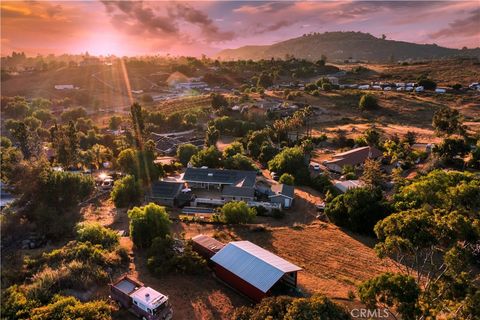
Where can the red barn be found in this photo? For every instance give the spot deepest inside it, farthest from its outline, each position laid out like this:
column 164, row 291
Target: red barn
column 253, row 270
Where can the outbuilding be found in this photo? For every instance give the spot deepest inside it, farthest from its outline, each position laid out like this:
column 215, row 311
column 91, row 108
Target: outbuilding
column 252, row 270
column 206, row 246
column 283, row 194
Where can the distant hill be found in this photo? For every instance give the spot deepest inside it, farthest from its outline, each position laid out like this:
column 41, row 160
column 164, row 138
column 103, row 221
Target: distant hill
column 344, row 45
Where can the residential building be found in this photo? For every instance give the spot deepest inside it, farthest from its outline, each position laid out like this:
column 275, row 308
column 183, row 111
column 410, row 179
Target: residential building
column 218, row 178
column 344, row 186
column 352, row 157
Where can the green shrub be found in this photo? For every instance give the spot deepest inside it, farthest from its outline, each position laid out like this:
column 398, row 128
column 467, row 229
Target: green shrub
column 287, row 178
column 126, row 192
column 289, row 308
column 97, row 234
column 368, row 102
column 164, row 258
column 62, row 307
column 321, row 183
column 147, row 223
column 237, row 212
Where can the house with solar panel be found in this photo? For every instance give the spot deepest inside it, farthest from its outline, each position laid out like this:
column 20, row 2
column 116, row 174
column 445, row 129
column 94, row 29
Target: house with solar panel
column 248, row 268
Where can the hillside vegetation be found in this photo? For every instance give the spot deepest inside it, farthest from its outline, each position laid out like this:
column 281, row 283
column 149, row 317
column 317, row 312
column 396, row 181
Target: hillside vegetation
column 344, row 45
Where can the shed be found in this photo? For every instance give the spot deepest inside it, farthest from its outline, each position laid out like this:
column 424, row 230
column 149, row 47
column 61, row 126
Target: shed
column 283, row 194
column 206, row 246
column 253, row 270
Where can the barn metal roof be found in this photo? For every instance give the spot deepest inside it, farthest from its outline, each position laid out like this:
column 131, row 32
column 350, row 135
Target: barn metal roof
column 255, row 265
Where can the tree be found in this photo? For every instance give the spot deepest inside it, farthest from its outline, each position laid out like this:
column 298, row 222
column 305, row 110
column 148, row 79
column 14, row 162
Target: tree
column 139, row 164
column 287, row 178
column 21, row 136
column 428, row 84
column 209, row 157
column 211, row 136
column 17, row 109
column 147, row 223
column 292, row 161
column 185, row 152
column 372, row 176
column 190, row 119
column 391, row 290
column 138, row 124
column 115, row 122
column 440, row 189
column 255, row 141
column 358, row 209
column 72, row 144
column 265, row 80
column 218, row 101
column 447, row 121
column 233, row 149
column 43, row 115
column 95, row 233
column 267, row 152
column 239, row 162
column 368, row 102
column 126, row 192
column 73, row 114
column 237, row 212
column 372, row 137
column 451, row 150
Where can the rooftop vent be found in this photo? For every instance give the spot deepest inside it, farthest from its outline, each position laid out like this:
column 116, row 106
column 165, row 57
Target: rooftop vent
column 147, row 296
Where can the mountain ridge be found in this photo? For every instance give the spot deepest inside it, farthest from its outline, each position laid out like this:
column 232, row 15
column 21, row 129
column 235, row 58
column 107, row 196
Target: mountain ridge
column 339, row 45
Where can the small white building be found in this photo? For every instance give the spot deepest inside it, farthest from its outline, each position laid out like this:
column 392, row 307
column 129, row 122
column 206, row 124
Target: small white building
column 64, row 87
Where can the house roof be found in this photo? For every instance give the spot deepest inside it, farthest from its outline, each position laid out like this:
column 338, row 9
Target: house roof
column 355, row 156
column 165, row 189
column 208, row 242
column 344, row 186
column 257, row 266
column 246, row 178
column 283, row 189
column 238, row 191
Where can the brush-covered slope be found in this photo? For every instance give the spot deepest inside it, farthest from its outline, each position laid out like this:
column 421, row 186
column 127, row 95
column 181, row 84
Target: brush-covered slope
column 344, row 45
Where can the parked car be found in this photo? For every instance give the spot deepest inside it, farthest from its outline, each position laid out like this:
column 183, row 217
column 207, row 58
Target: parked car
column 107, row 184
column 275, row 176
column 144, row 302
column 320, row 206
column 316, row 166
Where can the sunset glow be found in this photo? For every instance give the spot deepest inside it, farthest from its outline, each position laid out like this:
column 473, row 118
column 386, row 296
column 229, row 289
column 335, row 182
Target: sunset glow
column 193, row 28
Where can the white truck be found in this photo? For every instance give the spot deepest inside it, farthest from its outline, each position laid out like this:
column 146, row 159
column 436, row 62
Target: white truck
column 144, row 302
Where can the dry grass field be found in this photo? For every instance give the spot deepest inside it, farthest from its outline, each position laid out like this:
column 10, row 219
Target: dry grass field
column 334, row 261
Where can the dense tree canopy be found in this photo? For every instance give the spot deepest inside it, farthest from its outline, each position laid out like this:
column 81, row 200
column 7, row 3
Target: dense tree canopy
column 185, row 152
column 126, row 192
column 292, row 161
column 358, row 209
column 147, row 223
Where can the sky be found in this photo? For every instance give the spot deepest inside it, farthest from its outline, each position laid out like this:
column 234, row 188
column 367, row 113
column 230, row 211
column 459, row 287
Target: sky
column 205, row 27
